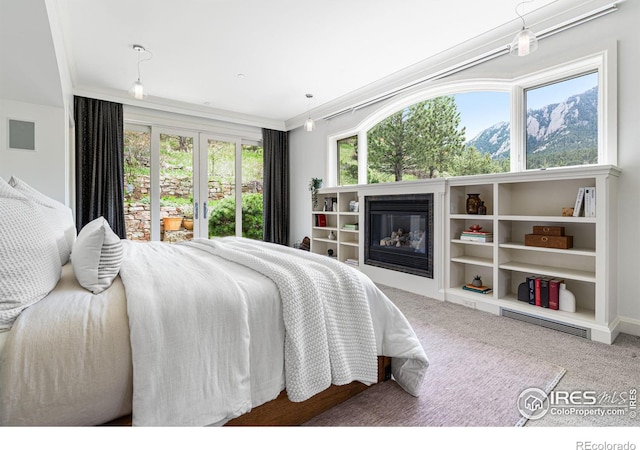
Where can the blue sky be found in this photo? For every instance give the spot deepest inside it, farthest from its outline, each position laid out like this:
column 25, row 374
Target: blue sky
column 480, row 110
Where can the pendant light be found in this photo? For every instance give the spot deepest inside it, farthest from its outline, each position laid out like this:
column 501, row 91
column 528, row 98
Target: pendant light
column 309, row 124
column 137, row 90
column 525, row 41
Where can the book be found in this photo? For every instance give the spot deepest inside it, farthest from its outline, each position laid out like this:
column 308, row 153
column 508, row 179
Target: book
column 589, row 201
column 554, row 293
column 322, row 220
column 476, row 238
column 531, row 283
column 538, row 293
column 577, row 209
column 350, row 226
column 477, row 289
column 544, row 292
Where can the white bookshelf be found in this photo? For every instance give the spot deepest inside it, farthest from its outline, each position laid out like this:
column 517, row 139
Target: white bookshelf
column 347, row 242
column 515, row 203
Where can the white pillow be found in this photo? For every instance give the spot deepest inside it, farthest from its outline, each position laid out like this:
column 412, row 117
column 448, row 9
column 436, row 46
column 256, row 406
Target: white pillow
column 29, row 263
column 59, row 216
column 97, row 256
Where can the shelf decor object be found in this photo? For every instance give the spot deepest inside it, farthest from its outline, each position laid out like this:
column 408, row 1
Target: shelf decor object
column 473, row 201
column 567, row 299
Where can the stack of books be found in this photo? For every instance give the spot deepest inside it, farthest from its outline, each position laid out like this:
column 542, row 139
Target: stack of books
column 350, row 226
column 352, row 262
column 478, row 289
column 476, row 236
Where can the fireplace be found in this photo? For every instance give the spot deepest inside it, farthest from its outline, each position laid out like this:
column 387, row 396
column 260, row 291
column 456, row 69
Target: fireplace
column 399, row 233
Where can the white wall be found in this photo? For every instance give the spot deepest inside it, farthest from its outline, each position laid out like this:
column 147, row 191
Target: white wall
column 45, row 168
column 308, row 157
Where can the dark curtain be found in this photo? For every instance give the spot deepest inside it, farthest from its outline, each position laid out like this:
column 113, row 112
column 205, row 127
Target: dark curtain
column 276, row 186
column 99, row 163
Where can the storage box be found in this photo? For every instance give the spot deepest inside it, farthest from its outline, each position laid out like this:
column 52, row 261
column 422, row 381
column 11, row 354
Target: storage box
column 548, row 231
column 540, row 240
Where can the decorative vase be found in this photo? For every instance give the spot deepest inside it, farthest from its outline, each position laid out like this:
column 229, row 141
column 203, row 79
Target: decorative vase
column 482, row 210
column 473, row 200
column 477, row 281
column 187, row 223
column 332, row 235
column 567, row 300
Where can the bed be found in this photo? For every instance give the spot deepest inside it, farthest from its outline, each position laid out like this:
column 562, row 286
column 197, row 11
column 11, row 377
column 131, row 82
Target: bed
column 202, row 333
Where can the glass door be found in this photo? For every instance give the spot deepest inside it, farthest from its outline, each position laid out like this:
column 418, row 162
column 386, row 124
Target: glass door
column 218, row 192
column 175, row 186
column 233, row 170
column 180, row 185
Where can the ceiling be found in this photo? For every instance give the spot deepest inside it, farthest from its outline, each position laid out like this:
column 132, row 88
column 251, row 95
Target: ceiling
column 258, row 58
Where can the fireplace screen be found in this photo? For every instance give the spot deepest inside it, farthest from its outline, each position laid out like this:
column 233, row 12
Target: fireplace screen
column 399, row 233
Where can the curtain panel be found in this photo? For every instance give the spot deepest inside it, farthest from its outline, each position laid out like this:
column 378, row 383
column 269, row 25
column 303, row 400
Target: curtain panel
column 275, row 145
column 99, row 134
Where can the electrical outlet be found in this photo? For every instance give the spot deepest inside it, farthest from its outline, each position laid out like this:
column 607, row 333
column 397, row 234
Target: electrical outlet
column 469, row 304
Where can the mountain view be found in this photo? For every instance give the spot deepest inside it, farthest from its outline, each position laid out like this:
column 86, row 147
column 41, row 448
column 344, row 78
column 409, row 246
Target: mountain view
column 559, row 134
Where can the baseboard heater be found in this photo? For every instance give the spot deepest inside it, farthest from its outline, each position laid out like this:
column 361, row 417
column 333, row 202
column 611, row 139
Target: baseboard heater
column 547, row 323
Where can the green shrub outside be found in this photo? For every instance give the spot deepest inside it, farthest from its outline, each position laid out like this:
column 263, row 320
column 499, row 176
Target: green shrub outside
column 223, row 217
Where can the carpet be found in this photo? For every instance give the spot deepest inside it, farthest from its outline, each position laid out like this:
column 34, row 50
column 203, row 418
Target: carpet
column 469, row 383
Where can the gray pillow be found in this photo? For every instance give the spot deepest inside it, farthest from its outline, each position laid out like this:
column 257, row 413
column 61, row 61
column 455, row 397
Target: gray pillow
column 58, row 215
column 97, row 256
column 29, row 262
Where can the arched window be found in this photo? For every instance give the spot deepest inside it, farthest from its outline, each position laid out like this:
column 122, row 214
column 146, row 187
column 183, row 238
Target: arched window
column 564, row 116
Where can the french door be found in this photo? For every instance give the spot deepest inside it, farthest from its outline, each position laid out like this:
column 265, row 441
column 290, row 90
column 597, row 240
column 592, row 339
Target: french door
column 173, row 174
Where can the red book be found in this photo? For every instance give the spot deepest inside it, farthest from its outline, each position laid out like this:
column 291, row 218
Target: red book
column 538, row 293
column 322, row 220
column 554, row 293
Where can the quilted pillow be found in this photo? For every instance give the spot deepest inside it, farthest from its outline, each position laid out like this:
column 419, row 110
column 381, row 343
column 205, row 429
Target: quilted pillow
column 97, row 256
column 58, row 215
column 29, row 263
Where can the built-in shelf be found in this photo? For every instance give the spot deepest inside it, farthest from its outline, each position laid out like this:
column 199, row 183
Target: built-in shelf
column 515, row 203
column 347, row 242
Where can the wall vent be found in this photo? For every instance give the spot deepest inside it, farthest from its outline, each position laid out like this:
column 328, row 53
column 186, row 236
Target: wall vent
column 552, row 324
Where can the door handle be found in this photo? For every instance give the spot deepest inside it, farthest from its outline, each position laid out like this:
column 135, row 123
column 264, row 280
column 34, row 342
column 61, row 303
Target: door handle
column 195, row 211
column 204, row 210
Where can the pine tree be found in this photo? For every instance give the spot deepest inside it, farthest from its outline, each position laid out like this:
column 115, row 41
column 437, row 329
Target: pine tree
column 418, row 140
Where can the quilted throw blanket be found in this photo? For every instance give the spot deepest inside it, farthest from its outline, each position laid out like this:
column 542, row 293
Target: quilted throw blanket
column 329, row 332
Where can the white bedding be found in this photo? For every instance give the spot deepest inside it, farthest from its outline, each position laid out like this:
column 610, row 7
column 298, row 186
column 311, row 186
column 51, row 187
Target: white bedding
column 76, row 347
column 3, row 337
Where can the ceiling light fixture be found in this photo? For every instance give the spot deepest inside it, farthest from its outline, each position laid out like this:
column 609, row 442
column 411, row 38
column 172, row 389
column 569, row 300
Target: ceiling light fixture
column 137, row 90
column 309, row 124
column 525, row 41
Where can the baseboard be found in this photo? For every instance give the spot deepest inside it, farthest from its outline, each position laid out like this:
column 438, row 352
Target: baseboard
column 629, row 325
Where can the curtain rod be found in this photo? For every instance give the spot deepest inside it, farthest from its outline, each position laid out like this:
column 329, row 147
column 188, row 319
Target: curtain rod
column 477, row 60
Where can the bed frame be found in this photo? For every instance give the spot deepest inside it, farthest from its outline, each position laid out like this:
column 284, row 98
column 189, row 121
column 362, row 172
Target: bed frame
column 283, row 412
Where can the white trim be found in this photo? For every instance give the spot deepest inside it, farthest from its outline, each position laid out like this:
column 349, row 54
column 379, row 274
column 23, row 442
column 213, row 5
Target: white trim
column 629, row 325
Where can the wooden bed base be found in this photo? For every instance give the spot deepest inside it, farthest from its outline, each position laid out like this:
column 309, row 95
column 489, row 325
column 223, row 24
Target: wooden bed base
column 283, row 412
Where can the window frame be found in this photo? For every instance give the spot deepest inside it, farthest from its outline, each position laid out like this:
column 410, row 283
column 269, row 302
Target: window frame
column 603, row 62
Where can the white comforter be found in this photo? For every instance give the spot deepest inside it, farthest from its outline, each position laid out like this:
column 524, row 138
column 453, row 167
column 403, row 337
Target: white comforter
column 187, row 367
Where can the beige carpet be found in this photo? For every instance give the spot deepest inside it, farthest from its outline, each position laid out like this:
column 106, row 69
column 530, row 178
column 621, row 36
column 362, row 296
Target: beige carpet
column 468, row 383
